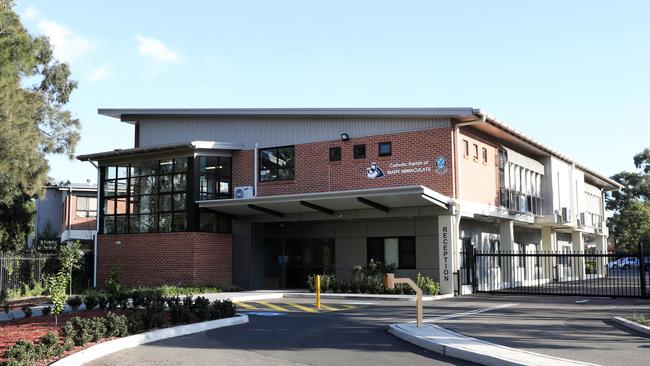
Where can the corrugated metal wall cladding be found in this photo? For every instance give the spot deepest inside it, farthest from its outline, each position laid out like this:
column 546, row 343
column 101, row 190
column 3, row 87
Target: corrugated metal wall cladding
column 275, row 131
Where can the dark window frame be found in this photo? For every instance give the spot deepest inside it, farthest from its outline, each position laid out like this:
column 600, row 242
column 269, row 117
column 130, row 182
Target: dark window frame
column 359, row 151
column 336, row 153
column 401, row 249
column 390, row 148
column 291, row 167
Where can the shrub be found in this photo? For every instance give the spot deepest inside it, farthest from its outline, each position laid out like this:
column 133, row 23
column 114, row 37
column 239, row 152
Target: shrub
column 179, row 312
column 102, row 300
column 78, row 330
column 23, row 353
column 96, row 327
column 201, row 308
column 327, row 283
column 27, row 311
column 47, row 310
column 113, row 284
column 222, row 309
column 116, row 325
column 153, row 315
column 91, row 300
column 50, row 346
column 427, row 284
column 74, row 302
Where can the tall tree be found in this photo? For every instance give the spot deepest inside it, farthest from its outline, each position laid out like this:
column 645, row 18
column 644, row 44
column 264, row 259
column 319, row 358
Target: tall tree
column 630, row 222
column 34, row 88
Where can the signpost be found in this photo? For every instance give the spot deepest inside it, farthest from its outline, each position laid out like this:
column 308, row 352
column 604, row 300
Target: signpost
column 390, row 281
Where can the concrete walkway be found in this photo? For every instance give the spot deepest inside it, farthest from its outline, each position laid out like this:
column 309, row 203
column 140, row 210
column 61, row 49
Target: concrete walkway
column 445, row 342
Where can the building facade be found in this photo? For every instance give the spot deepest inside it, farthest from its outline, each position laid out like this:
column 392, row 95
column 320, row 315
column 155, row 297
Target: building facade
column 261, row 198
column 66, row 213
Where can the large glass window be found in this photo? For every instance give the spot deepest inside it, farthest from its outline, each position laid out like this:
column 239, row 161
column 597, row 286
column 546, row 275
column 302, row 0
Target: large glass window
column 145, row 196
column 214, row 177
column 277, row 163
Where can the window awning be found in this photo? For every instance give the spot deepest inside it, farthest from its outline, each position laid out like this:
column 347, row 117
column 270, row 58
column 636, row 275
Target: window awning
column 330, row 203
column 138, row 151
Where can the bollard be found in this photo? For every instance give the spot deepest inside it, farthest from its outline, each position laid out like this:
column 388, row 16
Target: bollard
column 317, row 291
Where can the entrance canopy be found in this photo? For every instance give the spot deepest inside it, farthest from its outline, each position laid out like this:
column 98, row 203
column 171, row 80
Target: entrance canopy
column 330, row 203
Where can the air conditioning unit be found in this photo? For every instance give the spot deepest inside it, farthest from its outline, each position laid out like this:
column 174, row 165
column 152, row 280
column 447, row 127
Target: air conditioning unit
column 566, row 215
column 582, row 221
column 244, row 192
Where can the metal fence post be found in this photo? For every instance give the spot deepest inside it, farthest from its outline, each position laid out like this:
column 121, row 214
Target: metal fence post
column 644, row 288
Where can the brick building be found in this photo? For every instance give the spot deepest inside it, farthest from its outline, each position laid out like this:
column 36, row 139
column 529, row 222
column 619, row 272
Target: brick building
column 261, row 198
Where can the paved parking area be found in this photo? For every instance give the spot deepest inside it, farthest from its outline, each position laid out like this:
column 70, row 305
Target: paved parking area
column 569, row 327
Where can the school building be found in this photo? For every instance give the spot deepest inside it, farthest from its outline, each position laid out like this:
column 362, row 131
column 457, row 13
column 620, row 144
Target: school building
column 261, row 198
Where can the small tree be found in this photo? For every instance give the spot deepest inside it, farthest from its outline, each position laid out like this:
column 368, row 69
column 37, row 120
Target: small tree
column 57, row 284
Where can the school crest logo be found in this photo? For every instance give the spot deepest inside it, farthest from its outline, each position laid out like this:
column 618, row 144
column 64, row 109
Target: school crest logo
column 441, row 164
column 374, row 171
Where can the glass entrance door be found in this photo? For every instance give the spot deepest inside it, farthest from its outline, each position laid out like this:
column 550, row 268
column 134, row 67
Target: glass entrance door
column 288, row 262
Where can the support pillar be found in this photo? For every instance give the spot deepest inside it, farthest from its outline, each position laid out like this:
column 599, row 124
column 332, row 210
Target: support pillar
column 447, row 247
column 578, row 246
column 548, row 239
column 601, row 248
column 509, row 268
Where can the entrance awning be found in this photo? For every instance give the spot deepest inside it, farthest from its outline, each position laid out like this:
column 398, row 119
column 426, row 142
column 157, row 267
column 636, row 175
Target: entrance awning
column 330, row 203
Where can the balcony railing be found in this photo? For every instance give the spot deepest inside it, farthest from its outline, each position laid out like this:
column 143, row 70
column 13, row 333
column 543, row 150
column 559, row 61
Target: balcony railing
column 520, row 202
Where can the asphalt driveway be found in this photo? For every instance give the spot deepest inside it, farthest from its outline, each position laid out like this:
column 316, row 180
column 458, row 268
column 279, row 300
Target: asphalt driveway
column 568, row 327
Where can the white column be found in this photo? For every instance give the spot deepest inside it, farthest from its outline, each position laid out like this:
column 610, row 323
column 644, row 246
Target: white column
column 548, row 239
column 507, row 244
column 447, row 246
column 578, row 246
column 601, row 248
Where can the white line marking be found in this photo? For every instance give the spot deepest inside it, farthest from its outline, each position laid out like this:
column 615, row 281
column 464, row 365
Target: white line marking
column 581, row 301
column 472, row 312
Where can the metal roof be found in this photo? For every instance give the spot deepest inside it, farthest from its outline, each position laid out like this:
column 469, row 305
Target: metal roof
column 131, row 114
column 194, row 145
column 459, row 114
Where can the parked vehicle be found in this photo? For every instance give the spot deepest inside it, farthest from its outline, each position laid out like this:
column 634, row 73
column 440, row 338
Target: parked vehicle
column 626, row 263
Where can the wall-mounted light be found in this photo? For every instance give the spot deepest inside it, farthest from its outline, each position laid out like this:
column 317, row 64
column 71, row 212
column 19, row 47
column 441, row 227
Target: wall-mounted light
column 345, row 137
column 118, row 242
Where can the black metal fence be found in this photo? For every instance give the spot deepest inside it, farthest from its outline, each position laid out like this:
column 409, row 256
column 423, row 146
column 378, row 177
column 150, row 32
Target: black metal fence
column 556, row 273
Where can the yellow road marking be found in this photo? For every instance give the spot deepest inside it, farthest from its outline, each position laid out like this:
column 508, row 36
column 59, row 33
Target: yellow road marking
column 272, row 306
column 350, row 306
column 246, row 306
column 327, row 307
column 303, row 308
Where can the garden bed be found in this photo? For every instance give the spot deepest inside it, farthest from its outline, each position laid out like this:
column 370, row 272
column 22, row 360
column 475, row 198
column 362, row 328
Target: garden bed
column 26, row 341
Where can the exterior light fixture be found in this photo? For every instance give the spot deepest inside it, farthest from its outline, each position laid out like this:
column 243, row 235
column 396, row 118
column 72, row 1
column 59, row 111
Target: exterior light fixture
column 345, row 137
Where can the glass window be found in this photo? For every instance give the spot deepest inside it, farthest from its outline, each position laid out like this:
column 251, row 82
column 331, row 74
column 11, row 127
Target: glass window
column 360, row 151
column 407, row 253
column 276, row 163
column 399, row 251
column 485, row 155
column 466, row 148
column 214, row 177
column 335, row 153
column 145, row 196
column 385, row 149
column 86, row 206
column 475, row 155
column 376, row 249
column 211, row 221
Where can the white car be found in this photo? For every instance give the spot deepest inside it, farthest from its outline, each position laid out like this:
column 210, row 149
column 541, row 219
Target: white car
column 624, row 263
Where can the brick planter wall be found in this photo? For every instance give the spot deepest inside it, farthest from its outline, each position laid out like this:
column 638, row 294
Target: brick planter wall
column 189, row 258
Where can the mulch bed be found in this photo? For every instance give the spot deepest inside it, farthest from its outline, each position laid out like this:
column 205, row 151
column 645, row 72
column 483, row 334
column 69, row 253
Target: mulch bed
column 31, row 329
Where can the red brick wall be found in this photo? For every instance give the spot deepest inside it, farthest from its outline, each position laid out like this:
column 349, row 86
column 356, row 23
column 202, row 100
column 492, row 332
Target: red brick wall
column 153, row 259
column 479, row 180
column 77, row 223
column 315, row 173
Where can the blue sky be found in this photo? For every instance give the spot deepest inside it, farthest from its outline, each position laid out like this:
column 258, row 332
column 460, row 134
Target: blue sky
column 572, row 74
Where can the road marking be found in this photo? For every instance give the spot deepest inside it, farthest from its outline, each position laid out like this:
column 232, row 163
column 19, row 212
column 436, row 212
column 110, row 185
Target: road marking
column 327, row 307
column 466, row 313
column 246, row 306
column 303, row 308
column 581, row 301
column 272, row 306
column 350, row 306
